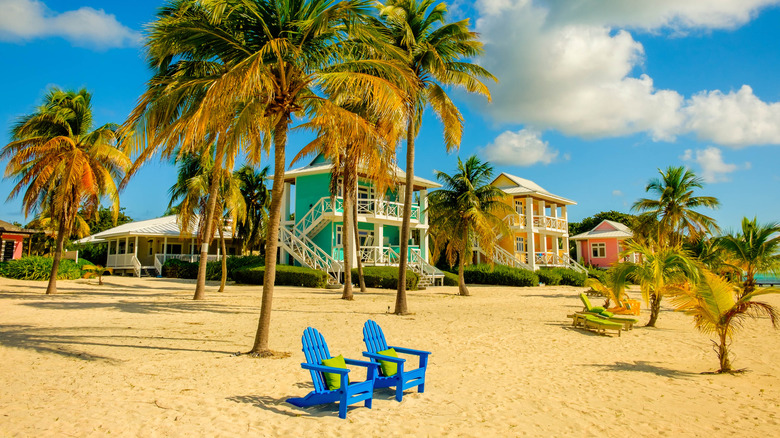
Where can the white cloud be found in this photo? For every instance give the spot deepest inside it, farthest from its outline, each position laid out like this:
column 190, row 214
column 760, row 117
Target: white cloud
column 29, row 19
column 713, row 168
column 733, row 119
column 617, row 193
column 521, row 148
column 564, row 65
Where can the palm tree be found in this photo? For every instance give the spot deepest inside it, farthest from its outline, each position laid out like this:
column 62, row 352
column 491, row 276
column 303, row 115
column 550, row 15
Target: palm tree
column 62, row 164
column 663, row 270
column 674, row 207
column 191, row 187
column 252, row 229
column 717, row 306
column 437, row 52
column 466, row 210
column 238, row 71
column 755, row 250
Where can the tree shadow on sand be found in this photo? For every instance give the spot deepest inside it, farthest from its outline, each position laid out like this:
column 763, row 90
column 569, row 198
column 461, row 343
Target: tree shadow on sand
column 51, row 341
column 644, row 367
column 143, row 306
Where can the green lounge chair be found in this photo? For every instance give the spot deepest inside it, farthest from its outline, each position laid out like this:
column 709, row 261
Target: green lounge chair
column 589, row 321
column 598, row 311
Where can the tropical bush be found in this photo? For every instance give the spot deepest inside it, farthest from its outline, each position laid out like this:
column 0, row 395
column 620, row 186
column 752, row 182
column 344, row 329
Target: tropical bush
column 175, row 268
column 39, row 268
column 499, row 275
column 550, row 277
column 286, row 275
column 570, row 277
column 597, row 273
column 387, row 277
column 450, row 279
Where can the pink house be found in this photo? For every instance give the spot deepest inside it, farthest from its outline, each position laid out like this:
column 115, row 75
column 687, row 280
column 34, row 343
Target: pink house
column 11, row 238
column 602, row 245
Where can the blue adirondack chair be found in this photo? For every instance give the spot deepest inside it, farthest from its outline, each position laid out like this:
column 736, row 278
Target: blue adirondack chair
column 315, row 349
column 403, row 379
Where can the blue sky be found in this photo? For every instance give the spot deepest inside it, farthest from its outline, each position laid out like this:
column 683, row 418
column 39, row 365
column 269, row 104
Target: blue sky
column 593, row 95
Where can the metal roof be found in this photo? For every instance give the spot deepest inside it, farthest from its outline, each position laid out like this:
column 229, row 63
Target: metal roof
column 617, row 230
column 524, row 186
column 166, row 226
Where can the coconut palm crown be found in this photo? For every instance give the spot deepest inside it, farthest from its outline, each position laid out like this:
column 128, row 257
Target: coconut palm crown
column 754, row 250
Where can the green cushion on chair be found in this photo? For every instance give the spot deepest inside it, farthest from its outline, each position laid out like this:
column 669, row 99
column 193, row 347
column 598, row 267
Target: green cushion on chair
column 333, row 380
column 597, row 309
column 388, row 368
column 607, row 314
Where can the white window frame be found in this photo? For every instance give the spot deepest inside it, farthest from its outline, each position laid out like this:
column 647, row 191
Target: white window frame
column 338, row 234
column 520, row 240
column 519, row 207
column 598, row 250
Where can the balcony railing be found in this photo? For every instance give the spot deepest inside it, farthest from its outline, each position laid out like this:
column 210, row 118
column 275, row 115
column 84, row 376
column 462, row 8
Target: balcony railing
column 540, row 222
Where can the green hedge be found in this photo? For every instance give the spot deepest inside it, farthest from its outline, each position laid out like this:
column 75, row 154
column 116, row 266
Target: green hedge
column 549, row 277
column 564, row 276
column 450, row 279
column 386, row 277
column 597, row 273
column 286, row 275
column 39, row 268
column 499, row 275
column 174, row 268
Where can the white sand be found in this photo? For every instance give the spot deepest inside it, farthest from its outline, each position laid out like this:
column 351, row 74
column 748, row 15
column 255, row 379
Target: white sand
column 138, row 357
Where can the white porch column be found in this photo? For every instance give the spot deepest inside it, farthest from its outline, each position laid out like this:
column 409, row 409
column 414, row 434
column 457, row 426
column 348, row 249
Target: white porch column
column 530, row 247
column 566, row 245
column 165, row 245
column 135, row 247
column 424, row 205
column 542, row 214
column 543, row 242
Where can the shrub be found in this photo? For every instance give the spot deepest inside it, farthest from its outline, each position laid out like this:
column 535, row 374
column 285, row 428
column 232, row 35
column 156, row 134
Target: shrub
column 175, row 268
column 597, row 273
column 39, row 268
column 386, row 277
column 499, row 275
column 286, row 275
column 570, row 277
column 450, row 279
column 549, row 276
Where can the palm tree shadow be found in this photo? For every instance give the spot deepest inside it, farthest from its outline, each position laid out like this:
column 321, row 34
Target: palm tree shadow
column 645, row 367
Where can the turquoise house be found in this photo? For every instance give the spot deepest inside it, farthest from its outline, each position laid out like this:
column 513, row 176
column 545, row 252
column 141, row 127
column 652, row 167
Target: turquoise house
column 311, row 227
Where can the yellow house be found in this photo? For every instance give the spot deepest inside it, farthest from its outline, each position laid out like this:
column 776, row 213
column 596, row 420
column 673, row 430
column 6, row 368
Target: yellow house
column 539, row 226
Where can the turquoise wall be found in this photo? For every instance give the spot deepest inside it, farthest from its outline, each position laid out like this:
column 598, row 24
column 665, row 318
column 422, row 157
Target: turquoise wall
column 308, row 190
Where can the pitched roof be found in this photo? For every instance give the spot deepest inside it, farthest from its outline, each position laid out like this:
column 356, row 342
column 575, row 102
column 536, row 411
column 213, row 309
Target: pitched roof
column 166, row 226
column 11, row 228
column 612, row 229
column 521, row 186
column 320, row 165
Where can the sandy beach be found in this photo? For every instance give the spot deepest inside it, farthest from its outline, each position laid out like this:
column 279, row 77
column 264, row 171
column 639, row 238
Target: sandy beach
column 138, row 357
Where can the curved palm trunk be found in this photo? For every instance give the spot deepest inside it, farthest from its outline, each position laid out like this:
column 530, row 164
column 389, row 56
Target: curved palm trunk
column 52, row 287
column 400, row 299
column 749, row 286
column 462, row 289
column 223, row 280
column 260, row 347
column 655, row 309
column 723, row 352
column 361, row 279
column 211, row 206
column 346, row 236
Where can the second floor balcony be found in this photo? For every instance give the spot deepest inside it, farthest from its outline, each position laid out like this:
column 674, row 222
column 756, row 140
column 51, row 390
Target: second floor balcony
column 539, row 222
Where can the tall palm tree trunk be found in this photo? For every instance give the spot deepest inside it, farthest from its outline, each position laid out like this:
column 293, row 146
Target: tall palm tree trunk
column 655, row 308
column 211, row 207
column 361, row 279
column 462, row 289
column 260, row 347
column 52, row 287
column 346, row 235
column 400, row 299
column 223, row 280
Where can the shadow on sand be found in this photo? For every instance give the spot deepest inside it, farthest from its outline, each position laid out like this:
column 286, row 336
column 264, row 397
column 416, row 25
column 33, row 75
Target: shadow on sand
column 644, row 367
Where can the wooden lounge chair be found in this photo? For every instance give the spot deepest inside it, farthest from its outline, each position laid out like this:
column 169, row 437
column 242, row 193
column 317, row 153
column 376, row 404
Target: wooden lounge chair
column 627, row 307
column 403, row 378
column 315, row 349
column 589, row 321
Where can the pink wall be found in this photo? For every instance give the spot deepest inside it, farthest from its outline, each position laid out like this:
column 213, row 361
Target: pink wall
column 611, row 252
column 18, row 245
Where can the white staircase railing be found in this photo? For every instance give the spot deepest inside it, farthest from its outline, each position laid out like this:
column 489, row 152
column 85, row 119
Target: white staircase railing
column 378, row 255
column 573, row 264
column 310, row 254
column 136, row 266
column 427, row 272
column 506, row 258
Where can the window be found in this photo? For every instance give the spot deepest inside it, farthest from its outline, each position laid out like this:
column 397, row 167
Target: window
column 519, row 207
column 338, row 235
column 121, row 247
column 151, row 246
column 598, row 250
column 366, row 237
column 520, row 245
